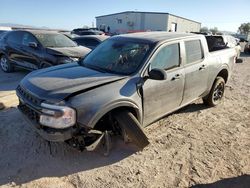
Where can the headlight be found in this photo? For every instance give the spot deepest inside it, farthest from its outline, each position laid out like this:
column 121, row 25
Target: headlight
column 58, row 117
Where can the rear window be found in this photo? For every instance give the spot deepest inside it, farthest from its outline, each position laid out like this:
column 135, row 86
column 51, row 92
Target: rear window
column 193, row 51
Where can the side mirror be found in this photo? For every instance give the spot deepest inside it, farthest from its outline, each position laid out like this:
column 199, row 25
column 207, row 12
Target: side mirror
column 33, row 44
column 157, row 74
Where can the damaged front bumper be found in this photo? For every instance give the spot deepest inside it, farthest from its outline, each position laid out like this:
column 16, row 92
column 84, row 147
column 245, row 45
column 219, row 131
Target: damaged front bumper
column 79, row 138
column 54, row 135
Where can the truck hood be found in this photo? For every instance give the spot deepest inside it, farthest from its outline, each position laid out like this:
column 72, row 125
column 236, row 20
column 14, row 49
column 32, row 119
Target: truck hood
column 77, row 52
column 54, row 84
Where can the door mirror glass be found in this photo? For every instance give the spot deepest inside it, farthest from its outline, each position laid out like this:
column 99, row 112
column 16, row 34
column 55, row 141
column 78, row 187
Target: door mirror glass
column 32, row 44
column 157, row 74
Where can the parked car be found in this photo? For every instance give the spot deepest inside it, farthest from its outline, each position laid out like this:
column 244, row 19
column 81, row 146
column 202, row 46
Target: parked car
column 90, row 41
column 82, row 31
column 126, row 83
column 37, row 49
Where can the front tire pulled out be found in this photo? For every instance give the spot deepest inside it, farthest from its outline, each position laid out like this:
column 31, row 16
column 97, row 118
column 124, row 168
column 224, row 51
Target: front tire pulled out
column 130, row 124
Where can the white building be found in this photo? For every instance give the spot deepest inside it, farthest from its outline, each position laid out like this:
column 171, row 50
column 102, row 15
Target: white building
column 133, row 21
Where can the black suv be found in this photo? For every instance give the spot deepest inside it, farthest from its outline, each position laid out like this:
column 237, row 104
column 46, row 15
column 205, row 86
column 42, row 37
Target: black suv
column 35, row 49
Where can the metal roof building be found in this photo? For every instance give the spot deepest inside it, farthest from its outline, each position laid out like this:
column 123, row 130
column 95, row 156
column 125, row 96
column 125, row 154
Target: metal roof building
column 134, row 21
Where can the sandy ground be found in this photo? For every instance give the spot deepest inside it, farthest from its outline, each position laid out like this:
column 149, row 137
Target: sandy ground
column 194, row 147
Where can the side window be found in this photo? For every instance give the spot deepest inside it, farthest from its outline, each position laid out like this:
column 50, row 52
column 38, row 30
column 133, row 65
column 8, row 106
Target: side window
column 193, row 51
column 27, row 38
column 168, row 57
column 15, row 38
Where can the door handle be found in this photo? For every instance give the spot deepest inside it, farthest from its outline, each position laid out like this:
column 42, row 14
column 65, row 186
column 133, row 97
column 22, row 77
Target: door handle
column 176, row 77
column 202, row 67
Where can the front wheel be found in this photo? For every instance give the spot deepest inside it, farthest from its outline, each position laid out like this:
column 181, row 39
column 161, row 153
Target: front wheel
column 131, row 126
column 216, row 93
column 5, row 64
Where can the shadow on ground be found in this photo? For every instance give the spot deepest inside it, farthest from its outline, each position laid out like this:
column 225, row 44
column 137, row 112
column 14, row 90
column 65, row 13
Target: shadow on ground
column 25, row 156
column 235, row 182
column 193, row 107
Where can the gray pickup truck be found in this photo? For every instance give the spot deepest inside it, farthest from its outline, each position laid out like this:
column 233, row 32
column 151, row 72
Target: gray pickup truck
column 126, row 83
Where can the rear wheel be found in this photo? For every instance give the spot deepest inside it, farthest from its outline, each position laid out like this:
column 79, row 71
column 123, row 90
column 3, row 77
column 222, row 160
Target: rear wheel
column 216, row 93
column 131, row 126
column 5, row 64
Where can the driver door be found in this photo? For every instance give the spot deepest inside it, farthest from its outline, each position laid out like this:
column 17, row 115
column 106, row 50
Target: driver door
column 30, row 56
column 163, row 96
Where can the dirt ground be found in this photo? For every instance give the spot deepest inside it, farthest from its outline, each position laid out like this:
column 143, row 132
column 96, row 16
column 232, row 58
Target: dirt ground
column 194, row 147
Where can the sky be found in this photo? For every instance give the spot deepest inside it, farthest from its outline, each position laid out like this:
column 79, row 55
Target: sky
column 226, row 15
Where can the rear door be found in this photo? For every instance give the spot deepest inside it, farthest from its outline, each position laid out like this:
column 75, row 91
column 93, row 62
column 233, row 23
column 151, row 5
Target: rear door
column 196, row 70
column 14, row 44
column 162, row 96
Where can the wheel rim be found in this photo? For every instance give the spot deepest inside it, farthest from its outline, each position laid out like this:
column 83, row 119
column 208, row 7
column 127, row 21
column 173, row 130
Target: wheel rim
column 4, row 64
column 218, row 92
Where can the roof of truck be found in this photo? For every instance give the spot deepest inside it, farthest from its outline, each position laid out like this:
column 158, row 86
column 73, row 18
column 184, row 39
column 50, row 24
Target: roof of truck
column 155, row 36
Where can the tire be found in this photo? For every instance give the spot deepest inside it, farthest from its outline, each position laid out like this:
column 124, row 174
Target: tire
column 130, row 124
column 216, row 93
column 5, row 64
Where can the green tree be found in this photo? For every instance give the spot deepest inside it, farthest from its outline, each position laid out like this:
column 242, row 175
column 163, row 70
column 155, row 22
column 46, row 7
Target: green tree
column 244, row 28
column 214, row 30
column 204, row 29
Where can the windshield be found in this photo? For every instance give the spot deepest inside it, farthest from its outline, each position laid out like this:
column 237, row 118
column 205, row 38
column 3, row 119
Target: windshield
column 55, row 40
column 115, row 56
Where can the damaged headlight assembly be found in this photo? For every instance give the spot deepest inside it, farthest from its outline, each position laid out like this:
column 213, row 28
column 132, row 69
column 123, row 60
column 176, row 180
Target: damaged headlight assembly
column 59, row 117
